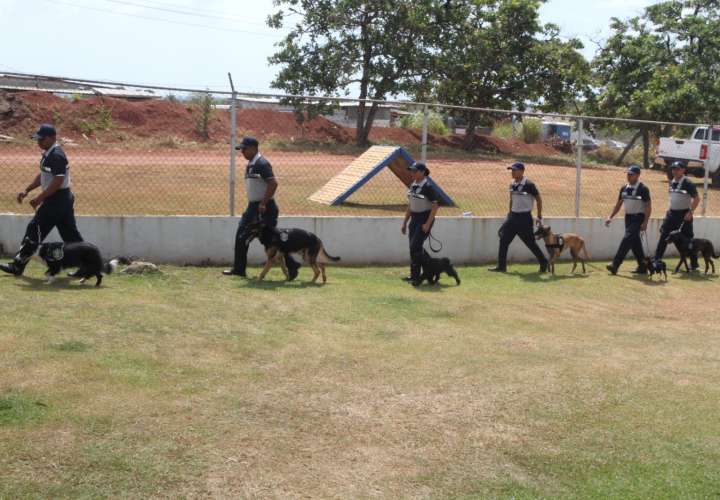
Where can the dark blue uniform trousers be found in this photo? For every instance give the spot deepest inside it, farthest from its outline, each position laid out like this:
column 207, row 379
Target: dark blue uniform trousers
column 58, row 211
column 518, row 224
column 243, row 237
column 631, row 241
column 674, row 219
column 417, row 238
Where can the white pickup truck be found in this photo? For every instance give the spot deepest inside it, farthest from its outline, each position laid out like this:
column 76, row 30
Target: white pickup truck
column 695, row 152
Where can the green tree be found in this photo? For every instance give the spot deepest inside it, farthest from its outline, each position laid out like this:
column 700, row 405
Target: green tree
column 661, row 66
column 497, row 54
column 378, row 47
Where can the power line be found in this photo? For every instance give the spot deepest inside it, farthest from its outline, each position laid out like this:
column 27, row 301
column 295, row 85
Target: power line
column 184, row 12
column 191, row 9
column 168, row 21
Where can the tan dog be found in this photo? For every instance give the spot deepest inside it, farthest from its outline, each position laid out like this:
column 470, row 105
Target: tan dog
column 556, row 243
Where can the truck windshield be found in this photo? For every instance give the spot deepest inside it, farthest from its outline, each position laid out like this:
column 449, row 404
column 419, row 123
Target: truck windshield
column 702, row 134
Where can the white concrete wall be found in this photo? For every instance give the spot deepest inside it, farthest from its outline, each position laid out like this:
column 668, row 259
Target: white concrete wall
column 357, row 240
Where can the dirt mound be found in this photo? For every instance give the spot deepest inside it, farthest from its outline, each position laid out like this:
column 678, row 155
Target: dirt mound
column 111, row 120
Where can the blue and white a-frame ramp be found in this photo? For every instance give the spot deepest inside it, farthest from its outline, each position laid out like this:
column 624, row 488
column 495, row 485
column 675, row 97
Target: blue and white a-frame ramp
column 364, row 168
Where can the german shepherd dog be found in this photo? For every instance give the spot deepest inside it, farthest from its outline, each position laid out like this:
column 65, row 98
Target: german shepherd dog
column 280, row 242
column 432, row 268
column 556, row 243
column 84, row 256
column 686, row 248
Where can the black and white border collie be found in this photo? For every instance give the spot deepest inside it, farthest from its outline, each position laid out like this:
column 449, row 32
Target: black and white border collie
column 84, row 256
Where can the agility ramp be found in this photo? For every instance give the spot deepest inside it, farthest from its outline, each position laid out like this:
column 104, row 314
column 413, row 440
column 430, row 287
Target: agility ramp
column 367, row 166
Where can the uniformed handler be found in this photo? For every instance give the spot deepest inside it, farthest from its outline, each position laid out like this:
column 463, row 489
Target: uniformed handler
column 261, row 185
column 54, row 206
column 423, row 204
column 635, row 197
column 684, row 199
column 519, row 222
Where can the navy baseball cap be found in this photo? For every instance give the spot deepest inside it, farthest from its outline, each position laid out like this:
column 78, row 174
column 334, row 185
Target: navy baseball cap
column 678, row 164
column 45, row 130
column 418, row 166
column 517, row 166
column 633, row 169
column 247, row 142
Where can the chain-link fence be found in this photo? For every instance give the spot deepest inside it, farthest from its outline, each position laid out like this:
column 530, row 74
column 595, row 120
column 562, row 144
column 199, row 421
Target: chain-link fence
column 169, row 152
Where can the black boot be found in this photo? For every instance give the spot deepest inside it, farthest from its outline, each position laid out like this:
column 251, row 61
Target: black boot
column 15, row 268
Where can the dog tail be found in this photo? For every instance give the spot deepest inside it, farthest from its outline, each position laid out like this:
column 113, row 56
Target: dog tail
column 586, row 254
column 326, row 256
column 111, row 266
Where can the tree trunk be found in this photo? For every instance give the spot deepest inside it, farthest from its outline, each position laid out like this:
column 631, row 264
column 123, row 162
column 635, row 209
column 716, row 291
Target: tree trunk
column 363, row 136
column 628, row 148
column 360, row 134
column 470, row 132
column 646, row 148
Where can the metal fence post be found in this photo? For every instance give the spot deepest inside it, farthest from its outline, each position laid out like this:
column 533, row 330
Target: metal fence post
column 233, row 151
column 578, row 165
column 426, row 118
column 706, row 181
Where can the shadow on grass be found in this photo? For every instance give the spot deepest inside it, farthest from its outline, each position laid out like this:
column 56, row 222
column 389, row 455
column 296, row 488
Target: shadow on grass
column 29, row 284
column 275, row 284
column 538, row 277
column 434, row 288
column 695, row 276
column 645, row 279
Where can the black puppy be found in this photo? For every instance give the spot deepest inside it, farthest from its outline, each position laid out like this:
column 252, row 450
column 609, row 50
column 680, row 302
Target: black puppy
column 687, row 248
column 84, row 256
column 432, row 268
column 655, row 267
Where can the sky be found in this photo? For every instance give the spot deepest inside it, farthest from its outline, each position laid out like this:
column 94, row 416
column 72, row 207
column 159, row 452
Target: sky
column 192, row 43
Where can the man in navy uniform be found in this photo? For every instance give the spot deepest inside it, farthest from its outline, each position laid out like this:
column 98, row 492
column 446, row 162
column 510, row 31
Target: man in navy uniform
column 519, row 222
column 423, row 204
column 684, row 199
column 261, row 185
column 54, row 206
column 635, row 197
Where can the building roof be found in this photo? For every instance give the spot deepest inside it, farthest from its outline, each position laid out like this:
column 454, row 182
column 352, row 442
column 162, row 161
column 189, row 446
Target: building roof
column 56, row 86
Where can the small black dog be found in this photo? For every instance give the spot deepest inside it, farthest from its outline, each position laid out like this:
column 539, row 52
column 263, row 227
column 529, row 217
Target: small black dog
column 655, row 267
column 686, row 248
column 432, row 268
column 84, row 256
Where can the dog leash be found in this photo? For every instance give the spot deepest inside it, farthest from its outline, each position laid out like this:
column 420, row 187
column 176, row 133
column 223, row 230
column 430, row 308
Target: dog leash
column 430, row 242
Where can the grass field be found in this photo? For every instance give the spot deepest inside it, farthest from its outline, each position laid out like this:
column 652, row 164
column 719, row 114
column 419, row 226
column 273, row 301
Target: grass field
column 195, row 182
column 518, row 385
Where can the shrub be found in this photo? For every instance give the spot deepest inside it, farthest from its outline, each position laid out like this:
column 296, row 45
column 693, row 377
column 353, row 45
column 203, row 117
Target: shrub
column 531, row 130
column 204, row 104
column 504, row 129
column 436, row 125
